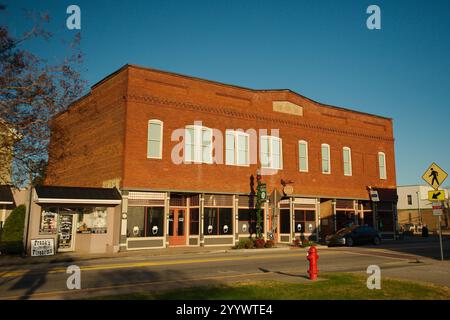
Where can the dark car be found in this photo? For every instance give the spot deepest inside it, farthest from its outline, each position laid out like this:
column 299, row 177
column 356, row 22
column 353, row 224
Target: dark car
column 354, row 235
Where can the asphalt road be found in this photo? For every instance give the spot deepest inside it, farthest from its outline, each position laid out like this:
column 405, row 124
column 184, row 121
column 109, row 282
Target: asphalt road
column 411, row 261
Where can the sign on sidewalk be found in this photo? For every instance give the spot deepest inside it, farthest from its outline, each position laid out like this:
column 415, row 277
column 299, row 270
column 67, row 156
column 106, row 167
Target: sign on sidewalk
column 42, row 247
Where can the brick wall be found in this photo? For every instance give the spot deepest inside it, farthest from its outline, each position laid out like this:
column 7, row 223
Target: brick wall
column 87, row 141
column 179, row 101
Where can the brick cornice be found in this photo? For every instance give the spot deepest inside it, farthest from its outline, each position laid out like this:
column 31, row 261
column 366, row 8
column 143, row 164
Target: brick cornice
column 229, row 112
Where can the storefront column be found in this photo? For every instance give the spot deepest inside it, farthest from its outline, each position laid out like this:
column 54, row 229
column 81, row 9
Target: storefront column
column 292, row 216
column 202, row 219
column 266, row 220
column 236, row 218
column 317, row 219
column 361, row 210
column 166, row 218
column 123, row 223
column 333, row 204
column 356, row 212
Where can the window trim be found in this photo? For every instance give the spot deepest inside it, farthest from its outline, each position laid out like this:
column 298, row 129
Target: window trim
column 161, row 124
column 384, row 176
column 271, row 139
column 236, row 134
column 349, row 160
column 305, row 143
column 329, row 157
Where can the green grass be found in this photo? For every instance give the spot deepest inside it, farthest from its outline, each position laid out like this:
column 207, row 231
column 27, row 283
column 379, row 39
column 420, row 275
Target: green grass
column 337, row 286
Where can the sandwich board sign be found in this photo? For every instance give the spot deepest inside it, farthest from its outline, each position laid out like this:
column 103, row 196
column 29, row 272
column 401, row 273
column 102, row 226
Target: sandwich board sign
column 42, row 247
column 434, row 176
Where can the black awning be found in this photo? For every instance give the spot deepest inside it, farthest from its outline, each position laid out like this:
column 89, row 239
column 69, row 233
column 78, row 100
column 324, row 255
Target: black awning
column 81, row 195
column 6, row 196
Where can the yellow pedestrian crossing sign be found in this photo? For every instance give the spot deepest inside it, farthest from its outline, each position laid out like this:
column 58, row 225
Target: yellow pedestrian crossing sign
column 436, row 195
column 434, row 176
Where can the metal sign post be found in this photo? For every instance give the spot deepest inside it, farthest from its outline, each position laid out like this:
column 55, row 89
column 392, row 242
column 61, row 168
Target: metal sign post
column 440, row 239
column 437, row 211
column 435, row 176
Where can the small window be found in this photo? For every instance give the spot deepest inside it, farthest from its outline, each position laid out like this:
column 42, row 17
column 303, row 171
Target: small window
column 347, row 157
column 237, row 148
column 382, row 165
column 271, row 152
column 409, row 199
column 303, row 156
column 154, row 139
column 326, row 165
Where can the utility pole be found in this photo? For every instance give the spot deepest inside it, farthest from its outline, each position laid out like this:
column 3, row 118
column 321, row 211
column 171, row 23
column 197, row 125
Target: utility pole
column 28, row 210
column 418, row 207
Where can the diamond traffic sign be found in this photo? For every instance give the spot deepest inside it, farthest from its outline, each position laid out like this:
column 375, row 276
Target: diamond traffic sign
column 434, row 176
column 436, row 195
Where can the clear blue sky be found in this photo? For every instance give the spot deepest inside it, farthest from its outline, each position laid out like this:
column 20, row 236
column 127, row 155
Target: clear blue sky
column 320, row 49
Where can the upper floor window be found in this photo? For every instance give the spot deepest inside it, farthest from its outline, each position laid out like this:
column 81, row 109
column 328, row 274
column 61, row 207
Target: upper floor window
column 382, row 165
column 154, row 139
column 303, row 155
column 237, row 148
column 198, row 144
column 409, row 199
column 347, row 157
column 271, row 152
column 326, row 165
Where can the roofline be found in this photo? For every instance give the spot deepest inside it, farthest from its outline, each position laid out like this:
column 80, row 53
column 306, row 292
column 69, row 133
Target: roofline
column 126, row 66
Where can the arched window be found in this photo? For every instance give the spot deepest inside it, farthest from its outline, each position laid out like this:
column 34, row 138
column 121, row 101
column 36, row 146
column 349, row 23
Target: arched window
column 326, row 162
column 154, row 139
column 347, row 159
column 303, row 156
column 382, row 165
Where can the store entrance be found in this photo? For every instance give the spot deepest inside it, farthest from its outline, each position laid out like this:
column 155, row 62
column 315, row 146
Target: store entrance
column 66, row 232
column 177, row 227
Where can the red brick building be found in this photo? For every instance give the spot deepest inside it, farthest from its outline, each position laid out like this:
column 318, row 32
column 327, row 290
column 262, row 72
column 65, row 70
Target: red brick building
column 184, row 153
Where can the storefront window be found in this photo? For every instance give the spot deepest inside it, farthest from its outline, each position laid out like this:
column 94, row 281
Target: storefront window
column 218, row 221
column 145, row 222
column 194, row 221
column 248, row 220
column 92, row 220
column 48, row 221
column 155, row 222
column 135, row 222
column 304, row 221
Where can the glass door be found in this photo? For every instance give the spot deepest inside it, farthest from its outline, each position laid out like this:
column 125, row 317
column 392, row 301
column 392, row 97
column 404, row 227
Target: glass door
column 65, row 232
column 177, row 227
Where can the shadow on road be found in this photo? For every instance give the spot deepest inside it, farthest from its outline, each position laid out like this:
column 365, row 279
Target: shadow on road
column 424, row 247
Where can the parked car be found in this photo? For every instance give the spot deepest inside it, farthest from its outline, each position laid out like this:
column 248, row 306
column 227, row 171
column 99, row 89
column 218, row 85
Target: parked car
column 354, row 235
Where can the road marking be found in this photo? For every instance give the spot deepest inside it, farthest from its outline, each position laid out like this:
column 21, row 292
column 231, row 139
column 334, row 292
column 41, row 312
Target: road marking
column 18, row 273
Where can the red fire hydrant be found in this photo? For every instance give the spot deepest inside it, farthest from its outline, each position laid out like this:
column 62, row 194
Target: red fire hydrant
column 312, row 258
